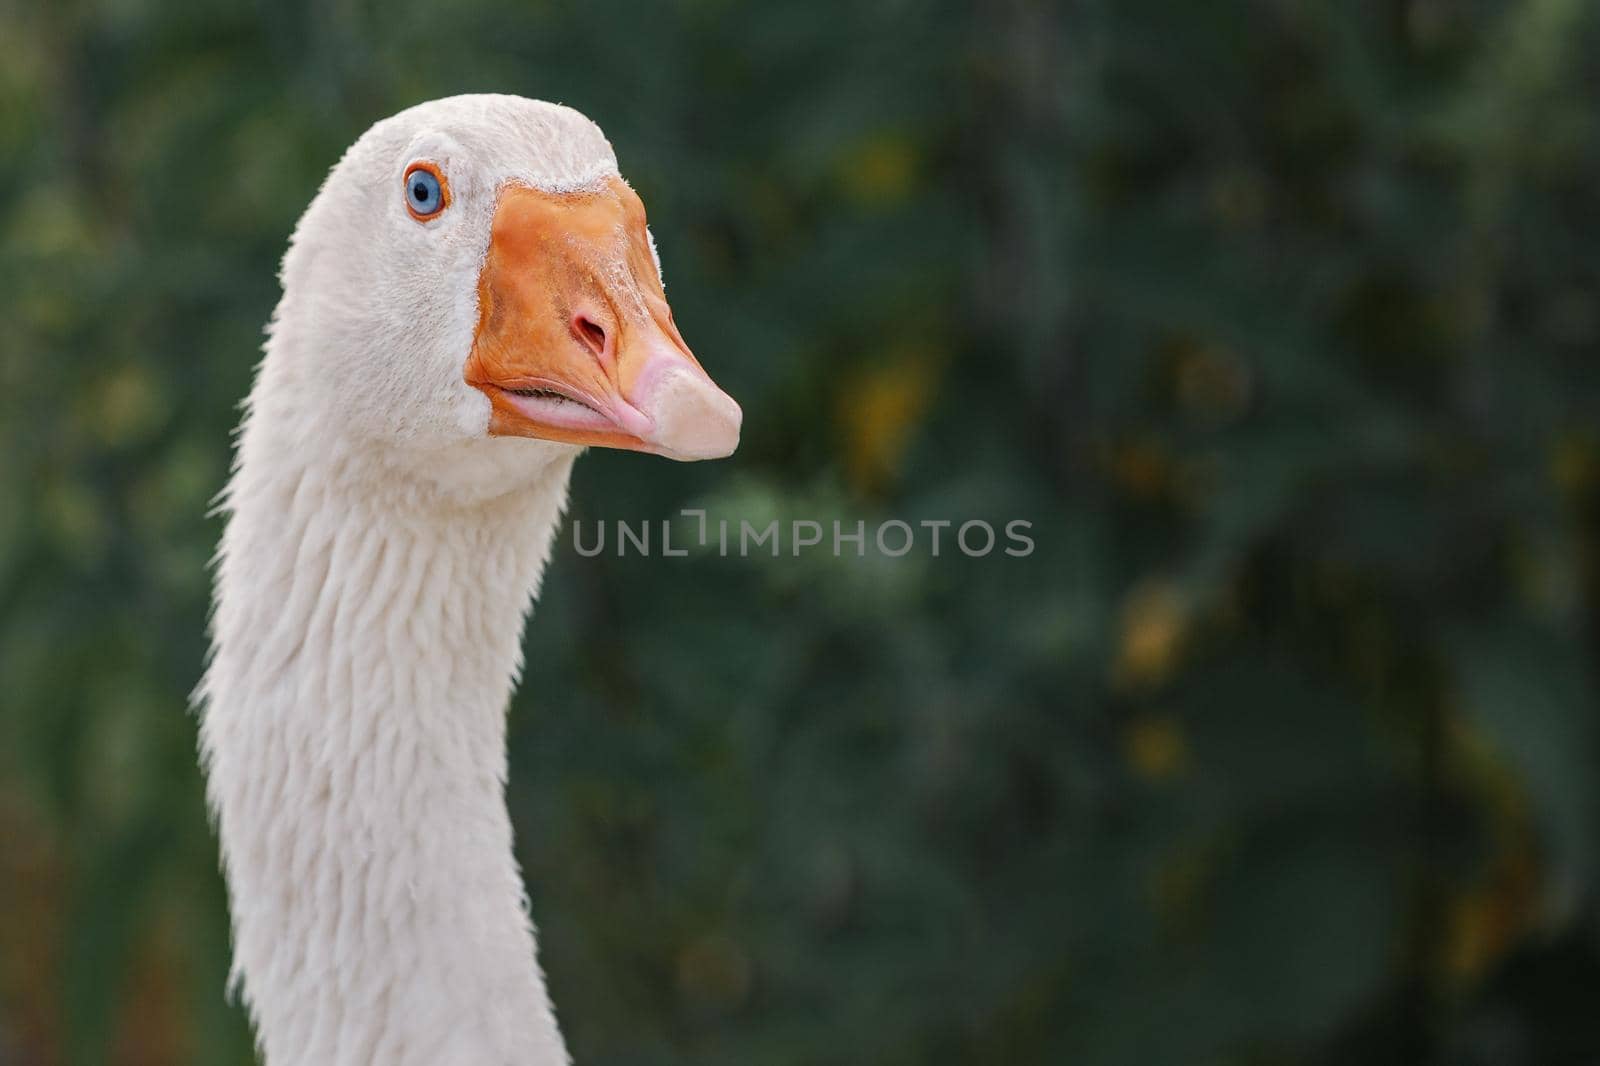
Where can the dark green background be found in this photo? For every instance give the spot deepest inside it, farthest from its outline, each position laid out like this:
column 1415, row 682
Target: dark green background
column 1278, row 319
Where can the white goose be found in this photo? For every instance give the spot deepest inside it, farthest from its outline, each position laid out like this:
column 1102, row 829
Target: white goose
column 471, row 299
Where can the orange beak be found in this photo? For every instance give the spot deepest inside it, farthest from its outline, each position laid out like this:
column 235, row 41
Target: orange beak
column 575, row 341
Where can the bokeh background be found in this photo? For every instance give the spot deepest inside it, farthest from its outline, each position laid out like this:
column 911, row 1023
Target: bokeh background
column 1277, row 318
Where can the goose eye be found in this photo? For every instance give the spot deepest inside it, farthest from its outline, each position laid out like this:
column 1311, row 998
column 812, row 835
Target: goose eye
column 426, row 193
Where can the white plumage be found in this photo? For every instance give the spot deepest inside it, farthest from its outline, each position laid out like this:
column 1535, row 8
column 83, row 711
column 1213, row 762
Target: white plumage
column 387, row 528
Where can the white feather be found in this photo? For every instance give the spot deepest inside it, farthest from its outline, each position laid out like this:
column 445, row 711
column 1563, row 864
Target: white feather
column 380, row 555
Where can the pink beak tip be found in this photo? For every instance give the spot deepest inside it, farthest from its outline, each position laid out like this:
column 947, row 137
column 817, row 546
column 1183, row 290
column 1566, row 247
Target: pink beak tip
column 693, row 418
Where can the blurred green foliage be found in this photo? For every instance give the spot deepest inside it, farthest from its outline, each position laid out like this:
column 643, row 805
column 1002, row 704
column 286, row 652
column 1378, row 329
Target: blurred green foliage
column 1276, row 317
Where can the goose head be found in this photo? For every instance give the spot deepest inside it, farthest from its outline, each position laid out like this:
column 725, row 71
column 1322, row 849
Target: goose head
column 476, row 280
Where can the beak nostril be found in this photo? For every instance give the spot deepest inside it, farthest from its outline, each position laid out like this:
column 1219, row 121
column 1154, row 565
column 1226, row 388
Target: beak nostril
column 590, row 333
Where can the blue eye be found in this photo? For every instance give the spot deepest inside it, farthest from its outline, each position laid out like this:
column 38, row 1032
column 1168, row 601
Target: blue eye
column 425, row 192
